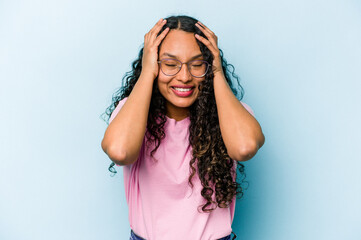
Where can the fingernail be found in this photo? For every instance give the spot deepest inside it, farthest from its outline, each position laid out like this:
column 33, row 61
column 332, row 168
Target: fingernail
column 164, row 20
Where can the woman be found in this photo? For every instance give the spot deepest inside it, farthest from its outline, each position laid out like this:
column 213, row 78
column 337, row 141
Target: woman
column 179, row 132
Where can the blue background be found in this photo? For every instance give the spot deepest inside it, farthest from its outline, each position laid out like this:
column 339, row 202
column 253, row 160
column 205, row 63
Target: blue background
column 61, row 61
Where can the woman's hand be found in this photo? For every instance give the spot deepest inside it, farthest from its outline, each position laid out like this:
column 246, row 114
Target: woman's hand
column 211, row 44
column 150, row 51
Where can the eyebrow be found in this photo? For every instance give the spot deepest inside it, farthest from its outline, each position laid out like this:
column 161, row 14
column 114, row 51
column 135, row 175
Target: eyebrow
column 173, row 56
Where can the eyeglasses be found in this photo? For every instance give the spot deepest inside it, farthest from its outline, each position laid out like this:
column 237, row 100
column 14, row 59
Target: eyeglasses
column 170, row 67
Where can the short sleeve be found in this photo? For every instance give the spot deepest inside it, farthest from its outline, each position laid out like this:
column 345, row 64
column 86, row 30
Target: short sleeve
column 249, row 109
column 117, row 109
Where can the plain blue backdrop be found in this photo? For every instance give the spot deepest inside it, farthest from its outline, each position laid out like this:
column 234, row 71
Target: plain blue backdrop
column 61, row 61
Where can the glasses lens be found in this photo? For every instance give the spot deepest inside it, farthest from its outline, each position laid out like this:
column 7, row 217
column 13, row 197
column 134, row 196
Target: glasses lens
column 198, row 68
column 170, row 66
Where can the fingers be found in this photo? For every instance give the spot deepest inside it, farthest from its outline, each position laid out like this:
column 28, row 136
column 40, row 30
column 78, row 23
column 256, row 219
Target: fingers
column 208, row 44
column 161, row 36
column 151, row 43
column 157, row 27
column 204, row 26
column 209, row 34
column 159, row 23
column 211, row 42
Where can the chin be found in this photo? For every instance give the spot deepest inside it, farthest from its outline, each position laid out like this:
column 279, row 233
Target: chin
column 181, row 103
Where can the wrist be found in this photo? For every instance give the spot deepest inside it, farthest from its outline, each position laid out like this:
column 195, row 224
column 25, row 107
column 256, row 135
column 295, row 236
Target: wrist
column 148, row 74
column 218, row 74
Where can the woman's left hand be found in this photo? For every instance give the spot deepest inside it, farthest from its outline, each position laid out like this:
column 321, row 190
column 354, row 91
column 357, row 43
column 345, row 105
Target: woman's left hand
column 211, row 44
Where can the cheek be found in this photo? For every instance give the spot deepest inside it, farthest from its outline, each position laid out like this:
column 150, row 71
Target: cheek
column 162, row 84
column 163, row 80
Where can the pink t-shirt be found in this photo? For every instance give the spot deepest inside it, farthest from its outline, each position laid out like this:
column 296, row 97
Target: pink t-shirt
column 161, row 204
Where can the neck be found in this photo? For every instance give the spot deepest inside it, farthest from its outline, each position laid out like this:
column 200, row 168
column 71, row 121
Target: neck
column 177, row 113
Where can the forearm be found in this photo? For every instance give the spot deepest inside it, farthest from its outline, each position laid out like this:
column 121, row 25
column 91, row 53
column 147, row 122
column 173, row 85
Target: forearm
column 240, row 131
column 124, row 136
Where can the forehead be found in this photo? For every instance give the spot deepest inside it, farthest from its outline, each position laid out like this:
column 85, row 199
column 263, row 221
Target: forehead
column 181, row 44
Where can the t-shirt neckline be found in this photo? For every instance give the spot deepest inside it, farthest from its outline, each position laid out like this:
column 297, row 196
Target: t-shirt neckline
column 175, row 121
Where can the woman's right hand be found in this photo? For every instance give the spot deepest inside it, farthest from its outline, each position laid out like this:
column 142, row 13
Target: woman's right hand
column 150, row 51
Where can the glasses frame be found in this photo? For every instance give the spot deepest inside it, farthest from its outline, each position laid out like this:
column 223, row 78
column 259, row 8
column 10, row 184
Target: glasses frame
column 181, row 65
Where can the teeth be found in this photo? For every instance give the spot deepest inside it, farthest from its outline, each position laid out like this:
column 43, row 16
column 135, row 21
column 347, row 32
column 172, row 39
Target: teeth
column 182, row 89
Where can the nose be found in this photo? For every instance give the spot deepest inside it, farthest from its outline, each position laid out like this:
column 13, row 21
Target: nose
column 183, row 74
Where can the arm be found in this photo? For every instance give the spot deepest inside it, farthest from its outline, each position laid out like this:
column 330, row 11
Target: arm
column 124, row 136
column 240, row 131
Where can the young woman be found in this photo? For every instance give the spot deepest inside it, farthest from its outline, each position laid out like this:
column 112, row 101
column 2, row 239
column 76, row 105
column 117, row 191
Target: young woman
column 179, row 131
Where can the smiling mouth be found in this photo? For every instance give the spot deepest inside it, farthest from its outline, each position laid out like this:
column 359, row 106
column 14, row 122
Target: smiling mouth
column 183, row 89
column 183, row 92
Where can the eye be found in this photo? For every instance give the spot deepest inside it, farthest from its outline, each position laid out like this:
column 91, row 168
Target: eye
column 170, row 63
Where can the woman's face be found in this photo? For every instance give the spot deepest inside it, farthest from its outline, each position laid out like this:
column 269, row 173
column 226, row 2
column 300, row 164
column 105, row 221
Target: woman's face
column 182, row 46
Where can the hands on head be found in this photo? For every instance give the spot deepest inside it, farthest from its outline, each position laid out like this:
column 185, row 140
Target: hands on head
column 212, row 44
column 153, row 39
column 150, row 51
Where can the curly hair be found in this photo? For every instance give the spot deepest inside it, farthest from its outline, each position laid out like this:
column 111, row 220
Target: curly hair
column 216, row 170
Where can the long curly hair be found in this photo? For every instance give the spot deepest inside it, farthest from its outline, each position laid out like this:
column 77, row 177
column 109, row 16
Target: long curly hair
column 216, row 170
